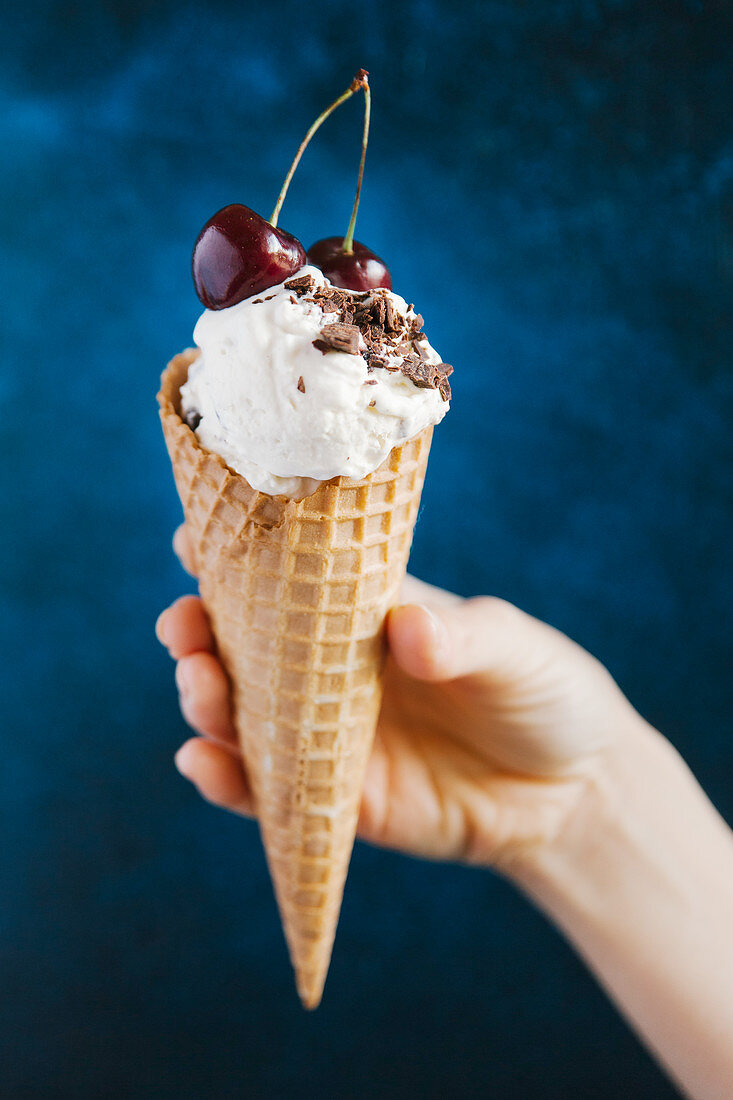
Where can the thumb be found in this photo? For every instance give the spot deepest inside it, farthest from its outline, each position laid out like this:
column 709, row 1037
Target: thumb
column 443, row 642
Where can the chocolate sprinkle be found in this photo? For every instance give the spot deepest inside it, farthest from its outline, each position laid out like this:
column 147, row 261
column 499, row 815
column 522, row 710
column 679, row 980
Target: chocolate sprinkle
column 193, row 419
column 418, row 372
column 439, row 375
column 432, row 376
column 338, row 337
column 391, row 323
column 302, row 284
column 387, row 334
column 331, row 295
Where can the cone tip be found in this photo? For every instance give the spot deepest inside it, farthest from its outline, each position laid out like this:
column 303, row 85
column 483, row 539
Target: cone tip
column 310, row 988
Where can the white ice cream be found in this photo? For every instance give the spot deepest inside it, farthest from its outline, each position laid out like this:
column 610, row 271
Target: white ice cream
column 245, row 382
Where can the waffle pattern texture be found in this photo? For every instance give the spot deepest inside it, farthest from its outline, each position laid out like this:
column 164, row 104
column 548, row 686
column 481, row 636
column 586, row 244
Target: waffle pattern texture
column 297, row 594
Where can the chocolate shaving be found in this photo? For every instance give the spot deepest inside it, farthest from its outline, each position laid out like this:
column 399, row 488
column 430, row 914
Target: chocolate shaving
column 391, row 323
column 301, row 384
column 193, row 419
column 418, row 372
column 257, row 302
column 302, row 284
column 338, row 337
column 372, row 403
column 330, row 294
column 378, row 312
column 269, row 297
column 432, row 376
column 439, row 375
column 391, row 342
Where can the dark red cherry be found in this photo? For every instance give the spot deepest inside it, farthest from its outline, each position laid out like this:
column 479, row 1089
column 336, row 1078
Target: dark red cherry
column 361, row 269
column 238, row 254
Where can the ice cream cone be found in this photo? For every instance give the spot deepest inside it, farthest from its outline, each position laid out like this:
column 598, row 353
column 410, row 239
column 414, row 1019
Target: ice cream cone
column 297, row 593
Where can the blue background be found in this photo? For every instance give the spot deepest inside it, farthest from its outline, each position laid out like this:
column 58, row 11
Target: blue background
column 552, row 184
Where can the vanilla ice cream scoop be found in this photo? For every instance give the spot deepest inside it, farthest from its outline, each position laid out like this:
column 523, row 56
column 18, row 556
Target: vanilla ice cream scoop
column 308, row 381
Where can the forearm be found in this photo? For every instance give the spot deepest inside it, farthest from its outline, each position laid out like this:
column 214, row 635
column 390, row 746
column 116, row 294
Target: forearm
column 641, row 882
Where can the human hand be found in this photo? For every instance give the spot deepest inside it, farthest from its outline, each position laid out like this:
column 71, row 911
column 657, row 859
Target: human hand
column 493, row 725
column 501, row 742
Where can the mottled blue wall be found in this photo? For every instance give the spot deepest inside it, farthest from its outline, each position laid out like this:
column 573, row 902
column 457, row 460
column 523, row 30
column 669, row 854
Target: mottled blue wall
column 551, row 183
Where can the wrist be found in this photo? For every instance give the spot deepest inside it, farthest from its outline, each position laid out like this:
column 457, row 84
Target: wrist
column 640, row 879
column 622, row 785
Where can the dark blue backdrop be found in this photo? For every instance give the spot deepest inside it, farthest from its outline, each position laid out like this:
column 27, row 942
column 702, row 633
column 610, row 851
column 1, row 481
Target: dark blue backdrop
column 551, row 183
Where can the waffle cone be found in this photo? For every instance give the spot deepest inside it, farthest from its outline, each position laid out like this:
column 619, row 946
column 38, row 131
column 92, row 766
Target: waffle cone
column 297, row 593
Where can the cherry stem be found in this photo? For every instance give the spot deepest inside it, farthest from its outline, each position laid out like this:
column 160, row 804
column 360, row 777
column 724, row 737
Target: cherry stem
column 348, row 244
column 359, row 81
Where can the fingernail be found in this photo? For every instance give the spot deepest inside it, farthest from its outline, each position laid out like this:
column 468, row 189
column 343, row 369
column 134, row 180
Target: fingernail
column 180, row 545
column 437, row 631
column 160, row 630
column 180, row 760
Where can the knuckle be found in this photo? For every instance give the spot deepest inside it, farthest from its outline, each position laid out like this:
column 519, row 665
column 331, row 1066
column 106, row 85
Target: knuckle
column 496, row 608
column 212, row 682
column 368, row 824
column 202, row 673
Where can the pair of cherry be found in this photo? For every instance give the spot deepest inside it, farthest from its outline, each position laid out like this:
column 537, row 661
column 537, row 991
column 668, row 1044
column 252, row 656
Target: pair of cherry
column 238, row 254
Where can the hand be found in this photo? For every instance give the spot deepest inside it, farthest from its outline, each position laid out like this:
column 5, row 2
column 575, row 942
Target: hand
column 492, row 727
column 501, row 742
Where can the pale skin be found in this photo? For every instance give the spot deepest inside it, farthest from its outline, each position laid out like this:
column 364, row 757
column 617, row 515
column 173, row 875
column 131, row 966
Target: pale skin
column 503, row 744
